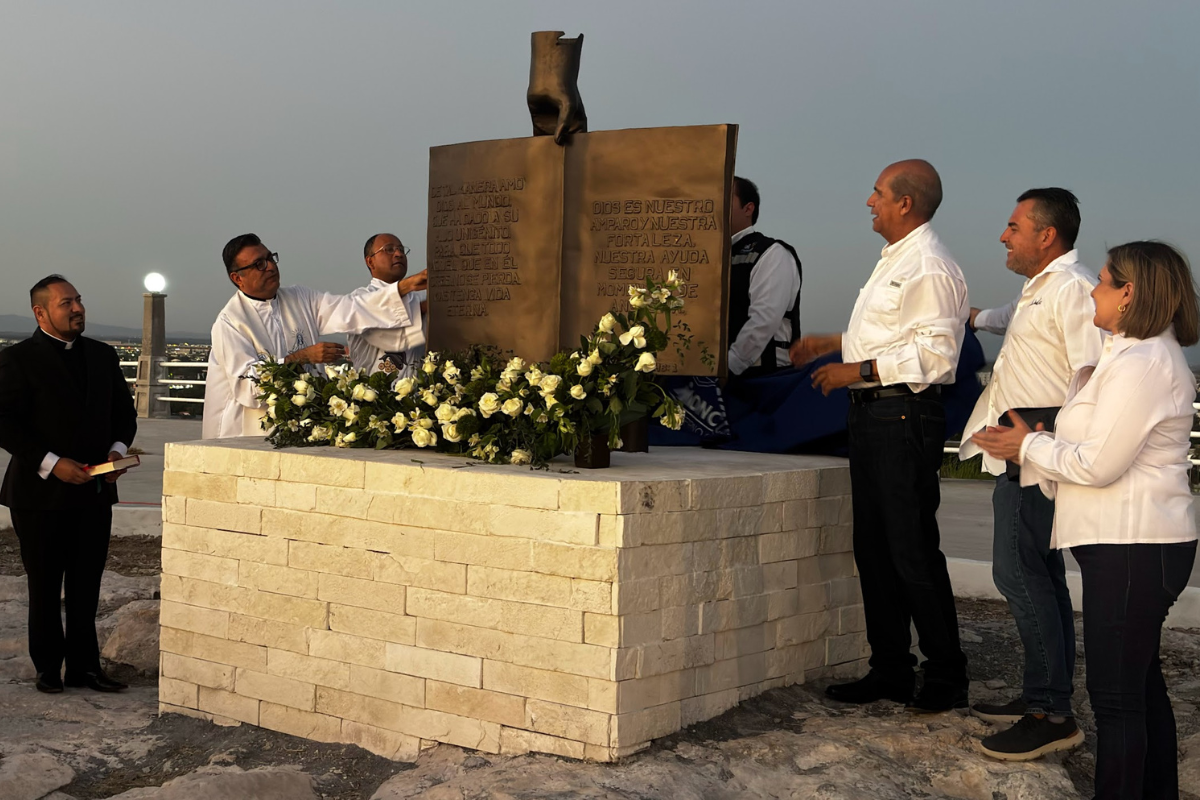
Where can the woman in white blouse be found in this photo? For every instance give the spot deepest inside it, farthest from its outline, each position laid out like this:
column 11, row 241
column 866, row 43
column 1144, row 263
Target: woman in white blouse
column 1117, row 466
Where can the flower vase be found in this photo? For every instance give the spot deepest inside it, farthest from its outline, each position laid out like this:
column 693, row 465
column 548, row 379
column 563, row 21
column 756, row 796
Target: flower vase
column 592, row 452
column 635, row 436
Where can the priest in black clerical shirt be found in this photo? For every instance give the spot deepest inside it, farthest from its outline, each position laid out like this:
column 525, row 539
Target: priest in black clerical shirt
column 64, row 405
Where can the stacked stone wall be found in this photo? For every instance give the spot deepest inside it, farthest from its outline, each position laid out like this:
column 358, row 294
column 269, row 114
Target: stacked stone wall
column 394, row 600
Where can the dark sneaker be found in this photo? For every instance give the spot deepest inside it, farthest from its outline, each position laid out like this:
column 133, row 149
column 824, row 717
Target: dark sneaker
column 1033, row 737
column 1010, row 712
column 936, row 698
column 871, row 688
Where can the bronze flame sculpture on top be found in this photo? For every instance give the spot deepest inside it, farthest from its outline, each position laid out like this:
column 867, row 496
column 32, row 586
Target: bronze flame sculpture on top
column 553, row 96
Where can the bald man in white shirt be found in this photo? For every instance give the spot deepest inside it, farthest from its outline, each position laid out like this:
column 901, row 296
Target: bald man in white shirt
column 901, row 346
column 1048, row 336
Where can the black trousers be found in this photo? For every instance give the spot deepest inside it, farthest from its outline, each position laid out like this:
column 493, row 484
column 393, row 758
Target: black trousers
column 64, row 553
column 895, row 456
column 1127, row 590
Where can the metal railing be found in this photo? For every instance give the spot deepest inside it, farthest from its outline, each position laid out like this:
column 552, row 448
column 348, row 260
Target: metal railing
column 163, row 379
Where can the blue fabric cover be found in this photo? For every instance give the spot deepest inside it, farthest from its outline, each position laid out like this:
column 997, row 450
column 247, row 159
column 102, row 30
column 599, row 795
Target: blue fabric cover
column 783, row 413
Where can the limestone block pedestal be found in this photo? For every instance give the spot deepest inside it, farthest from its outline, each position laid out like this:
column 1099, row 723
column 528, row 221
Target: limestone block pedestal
column 396, row 599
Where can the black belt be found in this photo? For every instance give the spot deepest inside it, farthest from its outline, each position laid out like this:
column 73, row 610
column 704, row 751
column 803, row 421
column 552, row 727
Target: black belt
column 863, row 396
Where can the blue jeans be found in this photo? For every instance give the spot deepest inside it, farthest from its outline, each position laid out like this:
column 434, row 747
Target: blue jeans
column 1127, row 591
column 1032, row 577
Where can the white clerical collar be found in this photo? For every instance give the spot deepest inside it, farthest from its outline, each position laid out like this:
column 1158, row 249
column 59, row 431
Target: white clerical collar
column 69, row 344
column 737, row 237
column 378, row 284
column 256, row 301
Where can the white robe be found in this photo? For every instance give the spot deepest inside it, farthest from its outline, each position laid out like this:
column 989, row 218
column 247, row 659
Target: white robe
column 367, row 350
column 249, row 331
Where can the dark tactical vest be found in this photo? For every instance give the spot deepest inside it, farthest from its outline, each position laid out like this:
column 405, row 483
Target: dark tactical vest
column 744, row 256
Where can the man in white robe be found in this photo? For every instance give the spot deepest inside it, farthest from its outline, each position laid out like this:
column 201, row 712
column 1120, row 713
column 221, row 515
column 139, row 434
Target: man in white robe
column 396, row 350
column 264, row 321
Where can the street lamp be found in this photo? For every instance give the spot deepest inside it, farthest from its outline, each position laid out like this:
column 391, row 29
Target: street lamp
column 155, row 283
column 147, row 388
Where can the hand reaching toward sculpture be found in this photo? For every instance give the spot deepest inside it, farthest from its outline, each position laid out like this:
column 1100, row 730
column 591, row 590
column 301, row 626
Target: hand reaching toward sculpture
column 414, row 283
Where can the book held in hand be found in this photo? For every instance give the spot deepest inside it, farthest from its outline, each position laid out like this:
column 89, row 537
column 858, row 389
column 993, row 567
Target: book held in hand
column 128, row 462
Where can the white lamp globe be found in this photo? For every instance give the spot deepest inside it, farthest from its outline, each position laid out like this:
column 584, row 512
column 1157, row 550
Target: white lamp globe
column 155, row 282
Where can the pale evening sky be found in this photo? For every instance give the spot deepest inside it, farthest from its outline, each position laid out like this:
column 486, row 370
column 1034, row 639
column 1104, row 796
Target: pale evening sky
column 140, row 136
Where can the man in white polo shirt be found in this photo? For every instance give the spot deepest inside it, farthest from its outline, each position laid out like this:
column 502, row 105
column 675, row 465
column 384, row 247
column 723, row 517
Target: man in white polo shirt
column 900, row 348
column 1048, row 335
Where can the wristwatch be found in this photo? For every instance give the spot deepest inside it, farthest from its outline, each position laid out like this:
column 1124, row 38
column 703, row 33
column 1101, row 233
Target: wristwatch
column 867, row 371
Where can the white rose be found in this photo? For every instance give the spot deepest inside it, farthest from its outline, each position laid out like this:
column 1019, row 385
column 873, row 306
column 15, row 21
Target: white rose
column 577, row 392
column 404, row 387
column 423, row 437
column 462, row 412
column 369, row 394
column 445, row 412
column 636, row 334
column 330, row 372
column 515, row 365
column 271, row 412
column 550, row 400
column 429, row 397
column 550, row 383
column 645, row 363
column 534, row 376
column 349, row 438
column 520, row 457
column 273, row 399
column 489, row 404
column 594, row 358
column 607, row 323
column 400, row 422
column 301, row 386
column 357, row 394
column 673, row 419
column 451, row 373
column 585, row 368
column 429, row 367
column 512, row 407
column 351, row 413
column 450, row 433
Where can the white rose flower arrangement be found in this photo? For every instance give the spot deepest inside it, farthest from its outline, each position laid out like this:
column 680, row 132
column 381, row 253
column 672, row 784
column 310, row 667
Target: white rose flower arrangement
column 499, row 411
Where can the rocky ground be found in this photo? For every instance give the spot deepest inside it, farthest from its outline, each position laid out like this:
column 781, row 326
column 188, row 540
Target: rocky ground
column 789, row 743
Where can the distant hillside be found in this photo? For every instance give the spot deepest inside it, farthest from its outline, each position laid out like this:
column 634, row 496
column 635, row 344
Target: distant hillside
column 14, row 325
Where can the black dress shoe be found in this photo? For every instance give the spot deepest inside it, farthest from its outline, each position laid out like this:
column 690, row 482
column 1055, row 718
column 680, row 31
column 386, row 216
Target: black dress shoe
column 934, row 698
column 95, row 680
column 869, row 689
column 49, row 682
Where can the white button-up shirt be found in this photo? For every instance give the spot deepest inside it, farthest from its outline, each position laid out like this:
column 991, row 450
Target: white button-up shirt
column 368, row 349
column 774, row 284
column 1117, row 463
column 912, row 314
column 248, row 332
column 1050, row 336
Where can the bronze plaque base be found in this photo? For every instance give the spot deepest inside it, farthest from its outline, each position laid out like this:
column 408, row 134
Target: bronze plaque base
column 531, row 243
column 494, row 245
